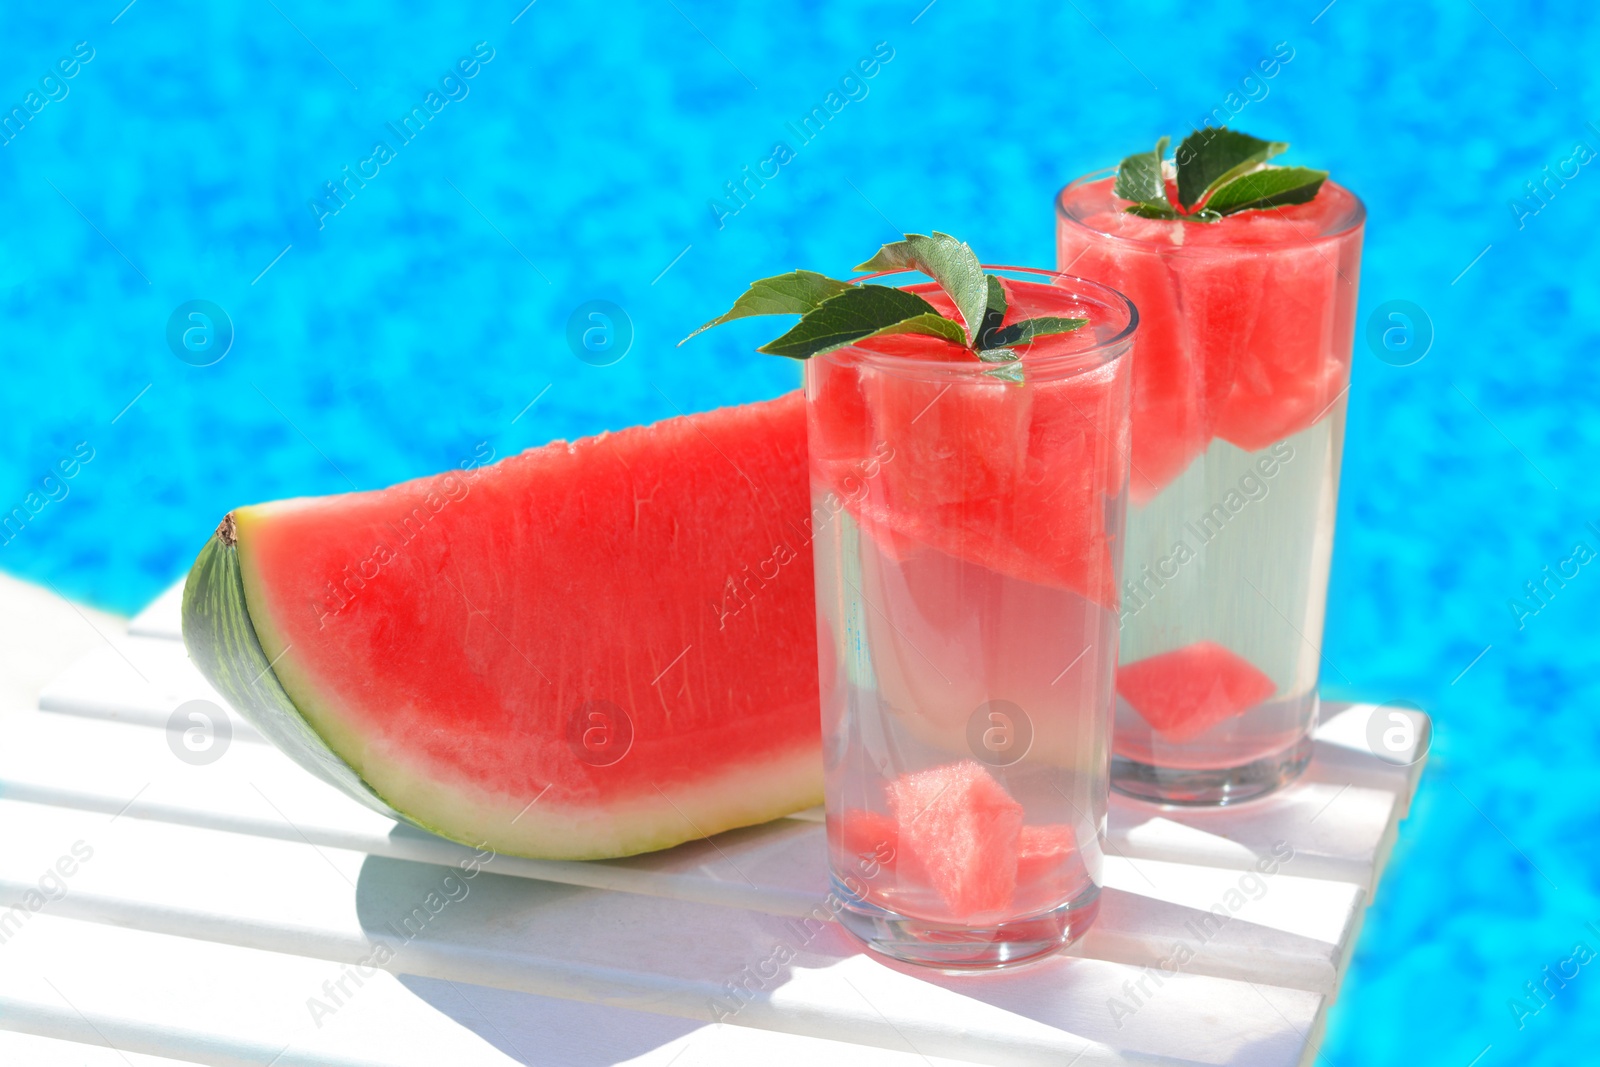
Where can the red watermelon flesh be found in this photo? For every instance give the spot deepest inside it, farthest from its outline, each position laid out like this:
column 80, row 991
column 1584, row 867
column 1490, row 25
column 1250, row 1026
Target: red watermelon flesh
column 958, row 834
column 1185, row 692
column 586, row 650
column 1050, row 869
column 1168, row 423
column 1297, row 358
column 1245, row 324
column 861, row 836
column 1016, row 479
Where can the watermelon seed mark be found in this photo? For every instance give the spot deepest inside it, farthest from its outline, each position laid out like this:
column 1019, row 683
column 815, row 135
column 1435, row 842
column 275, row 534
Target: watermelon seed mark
column 874, row 1007
column 293, row 825
column 1105, row 840
column 1296, row 629
column 896, row 629
column 1073, row 664
column 473, row 608
column 273, row 664
column 703, row 835
column 673, row 664
column 532, row 802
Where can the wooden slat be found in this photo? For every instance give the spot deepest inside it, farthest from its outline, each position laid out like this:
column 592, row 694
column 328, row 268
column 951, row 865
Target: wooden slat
column 136, row 679
column 142, row 994
column 30, row 1050
column 248, row 868
column 1293, row 935
column 643, row 953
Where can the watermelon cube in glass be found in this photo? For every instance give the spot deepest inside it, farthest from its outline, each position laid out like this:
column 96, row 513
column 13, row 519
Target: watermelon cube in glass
column 1238, row 416
column 967, row 526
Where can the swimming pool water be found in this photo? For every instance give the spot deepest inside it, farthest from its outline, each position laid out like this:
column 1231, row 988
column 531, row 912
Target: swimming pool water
column 587, row 158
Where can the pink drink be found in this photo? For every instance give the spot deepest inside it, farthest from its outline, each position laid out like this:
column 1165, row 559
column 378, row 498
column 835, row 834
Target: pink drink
column 966, row 539
column 1238, row 414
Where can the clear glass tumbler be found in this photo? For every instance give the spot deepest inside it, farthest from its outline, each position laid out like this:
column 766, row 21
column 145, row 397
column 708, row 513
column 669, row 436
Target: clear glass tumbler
column 967, row 530
column 1238, row 415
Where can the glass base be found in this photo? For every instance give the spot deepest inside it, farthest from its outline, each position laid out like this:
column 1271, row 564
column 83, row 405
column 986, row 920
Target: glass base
column 1210, row 787
column 965, row 948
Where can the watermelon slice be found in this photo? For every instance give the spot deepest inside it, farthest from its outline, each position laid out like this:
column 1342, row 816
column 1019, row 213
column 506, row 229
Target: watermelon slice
column 958, row 833
column 1018, row 480
column 586, row 650
column 1185, row 692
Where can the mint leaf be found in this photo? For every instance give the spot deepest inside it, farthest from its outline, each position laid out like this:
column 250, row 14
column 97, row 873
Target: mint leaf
column 931, row 325
column 1139, row 177
column 993, row 314
column 794, row 293
column 858, row 312
column 1153, row 211
column 947, row 261
column 1267, row 187
column 1215, row 155
column 1010, row 369
column 1025, row 331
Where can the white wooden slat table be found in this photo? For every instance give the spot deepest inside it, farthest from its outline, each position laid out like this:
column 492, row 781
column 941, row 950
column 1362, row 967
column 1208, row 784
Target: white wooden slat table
column 217, row 901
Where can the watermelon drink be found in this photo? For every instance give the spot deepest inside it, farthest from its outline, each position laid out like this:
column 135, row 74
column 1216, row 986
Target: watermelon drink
column 966, row 531
column 1238, row 418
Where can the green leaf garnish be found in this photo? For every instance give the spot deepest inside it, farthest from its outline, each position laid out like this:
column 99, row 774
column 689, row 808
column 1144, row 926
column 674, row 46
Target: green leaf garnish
column 1025, row 331
column 794, row 293
column 994, row 313
column 931, row 324
column 834, row 314
column 947, row 261
column 1140, row 179
column 1267, row 187
column 1213, row 156
column 859, row 312
column 1220, row 172
column 1010, row 369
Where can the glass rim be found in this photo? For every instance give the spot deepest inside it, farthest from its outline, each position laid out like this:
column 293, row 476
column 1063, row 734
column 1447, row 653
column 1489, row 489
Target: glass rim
column 1356, row 219
column 1098, row 354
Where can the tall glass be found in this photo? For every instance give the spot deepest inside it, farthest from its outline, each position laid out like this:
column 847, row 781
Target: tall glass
column 967, row 531
column 1238, row 421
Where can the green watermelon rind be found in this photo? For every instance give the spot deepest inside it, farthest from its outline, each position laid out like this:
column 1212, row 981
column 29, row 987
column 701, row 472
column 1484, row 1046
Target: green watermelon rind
column 221, row 639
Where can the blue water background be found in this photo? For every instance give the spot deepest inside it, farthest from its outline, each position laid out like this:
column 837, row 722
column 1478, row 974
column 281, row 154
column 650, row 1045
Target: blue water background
column 426, row 315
